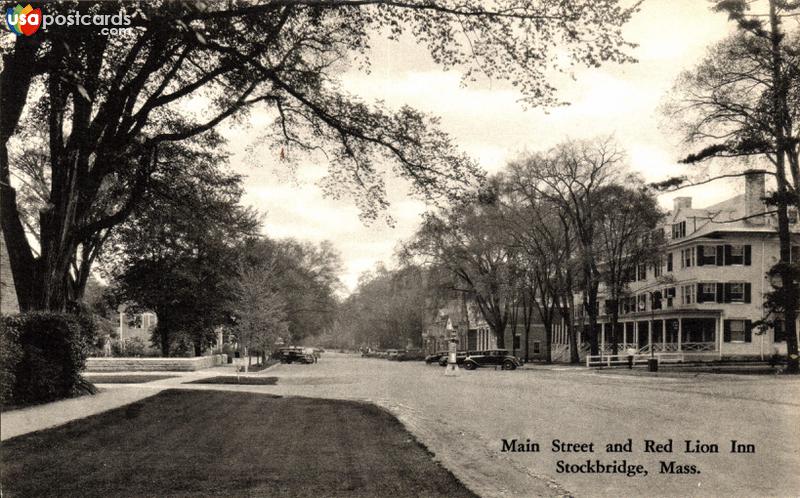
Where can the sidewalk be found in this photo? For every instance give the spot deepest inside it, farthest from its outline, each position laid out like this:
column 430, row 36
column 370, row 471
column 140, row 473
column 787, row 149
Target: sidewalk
column 38, row 417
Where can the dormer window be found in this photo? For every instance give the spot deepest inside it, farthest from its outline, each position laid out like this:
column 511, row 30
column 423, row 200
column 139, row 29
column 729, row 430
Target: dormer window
column 679, row 230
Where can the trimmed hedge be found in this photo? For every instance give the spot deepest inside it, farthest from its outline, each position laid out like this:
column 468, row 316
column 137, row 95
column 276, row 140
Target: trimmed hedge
column 52, row 350
column 10, row 353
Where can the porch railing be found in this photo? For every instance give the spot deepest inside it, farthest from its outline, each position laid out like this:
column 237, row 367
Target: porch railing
column 686, row 347
column 600, row 360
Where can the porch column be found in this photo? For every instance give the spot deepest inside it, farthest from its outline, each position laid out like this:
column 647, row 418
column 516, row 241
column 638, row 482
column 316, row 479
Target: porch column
column 680, row 332
column 650, row 335
column 625, row 334
column 718, row 337
column 602, row 338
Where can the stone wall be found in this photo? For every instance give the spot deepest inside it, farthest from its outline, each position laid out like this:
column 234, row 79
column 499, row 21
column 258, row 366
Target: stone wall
column 154, row 364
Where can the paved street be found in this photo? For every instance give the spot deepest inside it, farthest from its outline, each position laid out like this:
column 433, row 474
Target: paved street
column 464, row 419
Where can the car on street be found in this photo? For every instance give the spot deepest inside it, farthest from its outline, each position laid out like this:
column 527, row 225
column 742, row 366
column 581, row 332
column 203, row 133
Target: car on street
column 460, row 357
column 492, row 358
column 435, row 357
column 295, row 354
column 410, row 355
column 391, row 354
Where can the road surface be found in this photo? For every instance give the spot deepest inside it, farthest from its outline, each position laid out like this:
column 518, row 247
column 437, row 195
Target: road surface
column 463, row 420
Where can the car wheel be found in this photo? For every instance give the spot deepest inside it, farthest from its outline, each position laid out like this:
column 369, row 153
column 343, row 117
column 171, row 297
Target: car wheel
column 469, row 365
column 509, row 365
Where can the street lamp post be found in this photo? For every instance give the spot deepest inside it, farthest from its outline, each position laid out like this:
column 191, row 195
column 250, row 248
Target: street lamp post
column 452, row 348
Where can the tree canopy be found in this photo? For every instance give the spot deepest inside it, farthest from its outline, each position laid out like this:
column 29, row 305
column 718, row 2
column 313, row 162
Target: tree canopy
column 112, row 104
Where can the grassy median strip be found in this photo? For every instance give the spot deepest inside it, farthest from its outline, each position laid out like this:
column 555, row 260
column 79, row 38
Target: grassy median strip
column 125, row 379
column 216, row 443
column 241, row 380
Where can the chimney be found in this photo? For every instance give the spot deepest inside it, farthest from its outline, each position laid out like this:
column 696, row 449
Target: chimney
column 679, row 203
column 754, row 192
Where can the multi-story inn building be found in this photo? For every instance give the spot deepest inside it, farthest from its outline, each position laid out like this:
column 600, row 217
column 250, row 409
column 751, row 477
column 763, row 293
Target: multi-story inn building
column 708, row 288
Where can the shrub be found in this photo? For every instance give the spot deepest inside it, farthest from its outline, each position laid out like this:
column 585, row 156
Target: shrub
column 10, row 353
column 133, row 347
column 53, row 349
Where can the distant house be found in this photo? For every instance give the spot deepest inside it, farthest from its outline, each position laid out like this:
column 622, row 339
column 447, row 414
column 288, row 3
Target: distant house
column 463, row 320
column 138, row 325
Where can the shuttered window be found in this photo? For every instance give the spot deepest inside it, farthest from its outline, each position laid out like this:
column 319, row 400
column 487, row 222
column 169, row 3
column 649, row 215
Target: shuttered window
column 737, row 331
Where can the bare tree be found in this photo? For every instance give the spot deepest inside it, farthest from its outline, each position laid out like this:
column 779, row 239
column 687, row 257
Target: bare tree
column 471, row 242
column 571, row 177
column 628, row 217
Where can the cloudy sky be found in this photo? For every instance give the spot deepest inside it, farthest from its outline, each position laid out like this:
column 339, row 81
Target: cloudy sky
column 491, row 125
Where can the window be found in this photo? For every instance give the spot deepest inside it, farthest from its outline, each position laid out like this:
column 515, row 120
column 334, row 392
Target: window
column 655, row 300
column 687, row 294
column 792, row 212
column 641, row 271
column 641, row 302
column 736, row 292
column 679, row 230
column 707, row 255
column 738, row 254
column 657, row 267
column 516, row 341
column 794, row 254
column 536, row 347
column 706, row 292
column 670, row 292
column 778, row 331
column 738, row 331
column 687, row 257
column 669, row 261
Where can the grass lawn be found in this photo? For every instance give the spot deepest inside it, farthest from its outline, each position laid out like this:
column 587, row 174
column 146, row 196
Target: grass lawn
column 125, row 379
column 243, row 380
column 215, row 443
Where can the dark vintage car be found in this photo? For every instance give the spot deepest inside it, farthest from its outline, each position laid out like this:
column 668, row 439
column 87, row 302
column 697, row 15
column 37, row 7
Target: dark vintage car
column 492, row 358
column 460, row 357
column 295, row 355
column 435, row 357
column 410, row 355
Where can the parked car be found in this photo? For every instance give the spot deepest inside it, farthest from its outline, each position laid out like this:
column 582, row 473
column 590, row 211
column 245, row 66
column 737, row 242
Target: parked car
column 410, row 355
column 295, row 354
column 391, row 354
column 435, row 357
column 492, row 358
column 460, row 357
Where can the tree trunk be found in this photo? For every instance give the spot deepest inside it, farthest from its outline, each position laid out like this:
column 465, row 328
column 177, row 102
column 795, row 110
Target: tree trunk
column 163, row 335
column 614, row 322
column 789, row 291
column 574, row 354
